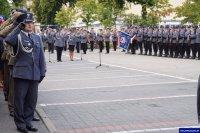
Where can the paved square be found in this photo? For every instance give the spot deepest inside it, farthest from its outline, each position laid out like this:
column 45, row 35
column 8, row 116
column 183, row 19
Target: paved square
column 142, row 94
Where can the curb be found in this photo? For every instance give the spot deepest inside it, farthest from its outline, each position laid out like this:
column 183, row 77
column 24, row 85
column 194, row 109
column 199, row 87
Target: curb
column 47, row 122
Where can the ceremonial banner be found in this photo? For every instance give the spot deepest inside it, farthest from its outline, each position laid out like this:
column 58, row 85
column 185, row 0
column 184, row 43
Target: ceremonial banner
column 124, row 40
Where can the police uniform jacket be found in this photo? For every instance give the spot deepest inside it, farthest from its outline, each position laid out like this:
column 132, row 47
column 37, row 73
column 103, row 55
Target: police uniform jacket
column 139, row 36
column 181, row 36
column 166, row 36
column 84, row 38
column 72, row 39
column 114, row 37
column 160, row 36
column 107, row 37
column 50, row 37
column 29, row 61
column 174, row 37
column 186, row 38
column 154, row 35
column 100, row 37
column 198, row 36
column 59, row 40
column 192, row 37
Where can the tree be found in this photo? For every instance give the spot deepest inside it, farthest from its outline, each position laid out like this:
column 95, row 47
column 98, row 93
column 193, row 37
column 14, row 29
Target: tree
column 66, row 16
column 108, row 11
column 4, row 8
column 87, row 10
column 189, row 11
column 145, row 4
column 19, row 3
column 45, row 10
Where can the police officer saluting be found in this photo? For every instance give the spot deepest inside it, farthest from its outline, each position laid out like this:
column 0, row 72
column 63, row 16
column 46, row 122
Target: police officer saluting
column 28, row 71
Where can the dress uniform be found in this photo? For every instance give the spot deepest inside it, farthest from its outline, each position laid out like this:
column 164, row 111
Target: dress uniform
column 59, row 44
column 140, row 40
column 186, row 44
column 92, row 38
column 114, row 40
column 100, row 40
column 160, row 41
column 29, row 69
column 174, row 43
column 166, row 41
column 50, row 40
column 154, row 41
column 84, row 41
column 149, row 41
column 181, row 41
column 198, row 41
column 145, row 34
column 107, row 36
column 192, row 38
column 78, row 41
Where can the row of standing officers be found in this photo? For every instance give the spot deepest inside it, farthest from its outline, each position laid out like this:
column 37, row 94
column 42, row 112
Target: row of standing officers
column 176, row 42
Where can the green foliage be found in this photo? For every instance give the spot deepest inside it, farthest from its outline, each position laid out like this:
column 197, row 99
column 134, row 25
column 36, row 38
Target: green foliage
column 65, row 16
column 45, row 10
column 87, row 9
column 4, row 8
column 19, row 3
column 157, row 7
column 190, row 11
column 132, row 19
column 108, row 11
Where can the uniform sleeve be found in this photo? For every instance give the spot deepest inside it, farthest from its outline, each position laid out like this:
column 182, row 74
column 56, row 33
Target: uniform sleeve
column 42, row 61
column 11, row 39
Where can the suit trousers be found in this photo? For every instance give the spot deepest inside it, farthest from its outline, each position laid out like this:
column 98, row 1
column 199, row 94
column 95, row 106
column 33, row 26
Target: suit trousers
column 25, row 100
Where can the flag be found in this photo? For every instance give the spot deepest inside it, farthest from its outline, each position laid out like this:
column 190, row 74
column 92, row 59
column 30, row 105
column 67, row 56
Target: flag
column 124, row 40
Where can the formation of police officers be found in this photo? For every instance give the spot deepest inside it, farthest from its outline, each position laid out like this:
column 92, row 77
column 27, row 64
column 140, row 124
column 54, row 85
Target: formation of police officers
column 175, row 42
column 64, row 39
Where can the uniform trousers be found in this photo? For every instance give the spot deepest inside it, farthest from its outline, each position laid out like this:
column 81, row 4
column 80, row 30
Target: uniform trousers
column 161, row 47
column 78, row 47
column 107, row 46
column 140, row 45
column 166, row 48
column 115, row 45
column 194, row 48
column 101, row 46
column 51, row 47
column 171, row 49
column 59, row 52
column 155, row 48
column 25, row 99
column 91, row 45
column 84, row 47
column 185, row 49
column 11, row 91
column 148, row 48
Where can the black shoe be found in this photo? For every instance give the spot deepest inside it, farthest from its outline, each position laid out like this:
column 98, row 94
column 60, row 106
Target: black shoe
column 12, row 114
column 32, row 129
column 22, row 130
column 36, row 119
